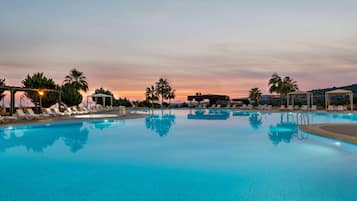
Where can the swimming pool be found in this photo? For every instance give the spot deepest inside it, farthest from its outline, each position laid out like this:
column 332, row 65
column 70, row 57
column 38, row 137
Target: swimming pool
column 178, row 155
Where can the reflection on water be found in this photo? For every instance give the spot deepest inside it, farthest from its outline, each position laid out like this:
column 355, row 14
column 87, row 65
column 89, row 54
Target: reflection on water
column 208, row 115
column 75, row 134
column 75, row 137
column 160, row 123
column 255, row 120
column 288, row 128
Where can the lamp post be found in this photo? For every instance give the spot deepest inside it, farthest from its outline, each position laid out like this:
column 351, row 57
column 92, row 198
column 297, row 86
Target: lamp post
column 40, row 93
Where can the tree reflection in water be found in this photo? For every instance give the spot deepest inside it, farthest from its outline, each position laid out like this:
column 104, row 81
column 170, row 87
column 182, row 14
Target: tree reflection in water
column 37, row 138
column 255, row 120
column 208, row 115
column 288, row 128
column 160, row 123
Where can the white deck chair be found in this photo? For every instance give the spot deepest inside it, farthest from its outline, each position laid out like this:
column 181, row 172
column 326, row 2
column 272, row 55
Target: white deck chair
column 85, row 110
column 35, row 116
column 304, row 108
column 290, row 108
column 269, row 107
column 21, row 115
column 340, row 108
column 250, row 107
column 213, row 106
column 313, row 108
column 218, row 106
column 50, row 113
column 331, row 108
column 8, row 118
column 56, row 110
column 282, row 107
column 76, row 111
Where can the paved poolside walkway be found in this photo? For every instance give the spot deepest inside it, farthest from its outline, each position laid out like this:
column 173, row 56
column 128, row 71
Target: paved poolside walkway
column 345, row 132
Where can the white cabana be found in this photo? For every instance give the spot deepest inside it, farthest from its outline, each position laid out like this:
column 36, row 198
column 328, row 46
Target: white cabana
column 309, row 97
column 102, row 96
column 338, row 92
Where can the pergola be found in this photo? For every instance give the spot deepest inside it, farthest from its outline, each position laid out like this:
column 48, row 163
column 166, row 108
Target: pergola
column 338, row 92
column 102, row 96
column 309, row 97
column 13, row 90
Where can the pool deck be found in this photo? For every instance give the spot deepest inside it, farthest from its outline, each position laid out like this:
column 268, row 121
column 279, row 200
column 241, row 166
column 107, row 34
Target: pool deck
column 71, row 118
column 344, row 132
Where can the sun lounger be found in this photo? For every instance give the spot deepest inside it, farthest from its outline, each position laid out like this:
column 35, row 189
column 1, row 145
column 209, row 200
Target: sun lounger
column 76, row 111
column 36, row 116
column 250, row 107
column 297, row 107
column 331, row 108
column 243, row 107
column 290, row 108
column 218, row 106
column 282, row 107
column 340, row 108
column 313, row 108
column 50, row 113
column 213, row 106
column 71, row 111
column 304, row 108
column 56, row 110
column 269, row 107
column 8, row 118
column 84, row 110
column 21, row 115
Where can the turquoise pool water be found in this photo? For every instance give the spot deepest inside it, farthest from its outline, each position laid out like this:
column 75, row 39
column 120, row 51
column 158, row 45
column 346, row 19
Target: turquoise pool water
column 181, row 155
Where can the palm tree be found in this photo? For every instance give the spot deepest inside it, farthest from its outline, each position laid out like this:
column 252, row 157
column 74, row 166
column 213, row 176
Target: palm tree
column 150, row 94
column 162, row 89
column 288, row 85
column 77, row 80
column 275, row 83
column 282, row 86
column 255, row 94
column 171, row 95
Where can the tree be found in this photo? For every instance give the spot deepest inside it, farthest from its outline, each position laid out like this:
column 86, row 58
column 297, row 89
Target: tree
column 39, row 81
column 275, row 83
column 70, row 96
column 288, row 85
column 282, row 86
column 255, row 94
column 151, row 95
column 162, row 89
column 77, row 80
column 171, row 95
column 2, row 84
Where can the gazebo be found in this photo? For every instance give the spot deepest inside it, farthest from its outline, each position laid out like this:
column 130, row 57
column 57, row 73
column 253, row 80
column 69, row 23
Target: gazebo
column 309, row 97
column 102, row 96
column 338, row 92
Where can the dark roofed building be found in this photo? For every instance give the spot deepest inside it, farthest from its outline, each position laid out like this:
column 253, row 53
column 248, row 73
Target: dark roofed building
column 213, row 98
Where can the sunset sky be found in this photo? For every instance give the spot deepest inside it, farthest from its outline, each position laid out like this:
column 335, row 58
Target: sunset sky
column 211, row 46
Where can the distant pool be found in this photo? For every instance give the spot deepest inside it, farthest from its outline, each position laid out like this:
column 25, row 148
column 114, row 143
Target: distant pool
column 179, row 155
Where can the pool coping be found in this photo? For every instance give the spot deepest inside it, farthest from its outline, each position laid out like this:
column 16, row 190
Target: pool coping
column 70, row 119
column 344, row 131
